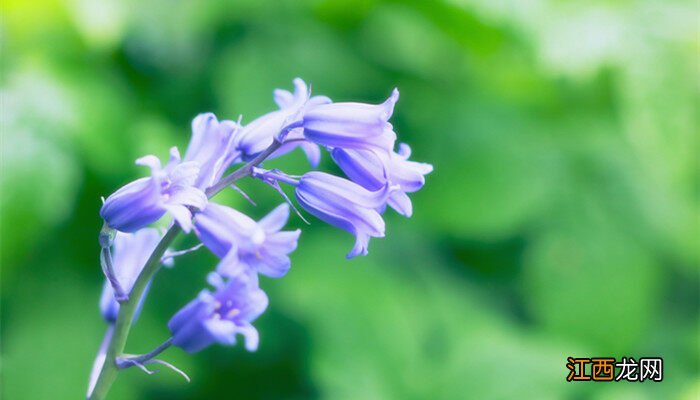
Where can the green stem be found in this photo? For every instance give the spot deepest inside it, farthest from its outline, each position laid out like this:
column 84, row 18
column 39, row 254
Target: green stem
column 115, row 349
column 243, row 171
column 126, row 362
column 126, row 315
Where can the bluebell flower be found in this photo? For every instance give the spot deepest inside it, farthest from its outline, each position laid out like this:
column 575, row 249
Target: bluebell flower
column 260, row 133
column 130, row 254
column 209, row 146
column 218, row 317
column 351, row 125
column 146, row 200
column 344, row 204
column 374, row 170
column 250, row 246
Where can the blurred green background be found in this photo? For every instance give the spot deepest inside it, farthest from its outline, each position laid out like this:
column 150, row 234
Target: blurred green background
column 561, row 218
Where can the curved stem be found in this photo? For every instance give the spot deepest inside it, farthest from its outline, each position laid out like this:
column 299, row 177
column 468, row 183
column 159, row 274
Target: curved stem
column 243, row 171
column 126, row 314
column 126, row 362
column 127, row 309
column 108, row 269
column 100, row 359
column 172, row 254
column 272, row 175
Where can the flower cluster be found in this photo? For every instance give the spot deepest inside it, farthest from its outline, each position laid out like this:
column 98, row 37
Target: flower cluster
column 360, row 140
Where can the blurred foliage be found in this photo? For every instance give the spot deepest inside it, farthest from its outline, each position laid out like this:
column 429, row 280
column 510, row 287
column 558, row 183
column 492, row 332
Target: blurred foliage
column 561, row 218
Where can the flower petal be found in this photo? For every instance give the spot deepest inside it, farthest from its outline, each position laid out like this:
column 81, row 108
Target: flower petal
column 251, row 337
column 150, row 161
column 188, row 196
column 400, row 202
column 276, row 219
column 182, row 215
column 133, row 206
column 223, row 331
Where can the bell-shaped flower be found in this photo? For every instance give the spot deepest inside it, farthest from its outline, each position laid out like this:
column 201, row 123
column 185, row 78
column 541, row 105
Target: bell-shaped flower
column 351, row 125
column 219, row 316
column 130, row 254
column 259, row 134
column 209, row 146
column 260, row 246
column 374, row 170
column 144, row 201
column 344, row 204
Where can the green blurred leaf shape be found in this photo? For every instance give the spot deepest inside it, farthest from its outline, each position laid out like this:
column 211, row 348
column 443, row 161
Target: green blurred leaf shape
column 376, row 334
column 493, row 169
column 589, row 282
column 48, row 350
column 40, row 176
column 401, row 39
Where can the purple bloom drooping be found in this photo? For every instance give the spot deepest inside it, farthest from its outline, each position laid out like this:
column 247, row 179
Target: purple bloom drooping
column 145, row 200
column 131, row 251
column 344, row 204
column 247, row 245
column 361, row 141
column 352, row 125
column 218, row 317
column 373, row 170
column 260, row 133
column 210, row 144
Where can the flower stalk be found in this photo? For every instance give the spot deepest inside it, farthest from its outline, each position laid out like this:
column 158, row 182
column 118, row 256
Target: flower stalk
column 108, row 269
column 126, row 362
column 360, row 140
column 117, row 342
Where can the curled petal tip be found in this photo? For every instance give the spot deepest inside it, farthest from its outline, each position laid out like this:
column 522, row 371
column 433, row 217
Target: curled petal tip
column 215, row 280
column 404, row 151
column 202, row 119
column 150, row 161
column 174, row 154
column 358, row 250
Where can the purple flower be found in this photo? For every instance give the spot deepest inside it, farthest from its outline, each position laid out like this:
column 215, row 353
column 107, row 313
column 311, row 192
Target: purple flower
column 260, row 133
column 373, row 170
column 210, row 144
column 248, row 245
column 130, row 254
column 218, row 317
column 351, row 125
column 344, row 204
column 145, row 200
